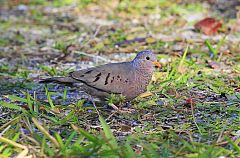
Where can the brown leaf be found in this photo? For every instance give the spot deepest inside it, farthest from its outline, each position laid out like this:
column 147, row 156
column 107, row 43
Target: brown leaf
column 190, row 101
column 208, row 26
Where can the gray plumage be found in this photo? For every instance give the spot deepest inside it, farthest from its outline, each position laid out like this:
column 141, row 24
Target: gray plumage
column 127, row 78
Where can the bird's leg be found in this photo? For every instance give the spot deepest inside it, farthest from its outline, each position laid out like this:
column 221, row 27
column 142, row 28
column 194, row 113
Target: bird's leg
column 91, row 99
column 95, row 107
column 114, row 106
column 121, row 110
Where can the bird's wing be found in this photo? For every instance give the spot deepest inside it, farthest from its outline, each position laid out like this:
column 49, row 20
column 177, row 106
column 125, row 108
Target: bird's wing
column 111, row 78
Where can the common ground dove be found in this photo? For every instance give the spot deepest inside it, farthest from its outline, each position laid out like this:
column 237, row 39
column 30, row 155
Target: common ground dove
column 127, row 78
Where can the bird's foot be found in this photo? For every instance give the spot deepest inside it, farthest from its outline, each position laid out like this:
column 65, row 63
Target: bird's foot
column 122, row 110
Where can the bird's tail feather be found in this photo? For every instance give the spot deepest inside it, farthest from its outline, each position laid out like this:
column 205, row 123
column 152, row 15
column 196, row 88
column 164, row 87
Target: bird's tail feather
column 60, row 80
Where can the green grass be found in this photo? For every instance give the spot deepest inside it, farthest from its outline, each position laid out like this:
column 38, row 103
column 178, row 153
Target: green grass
column 193, row 112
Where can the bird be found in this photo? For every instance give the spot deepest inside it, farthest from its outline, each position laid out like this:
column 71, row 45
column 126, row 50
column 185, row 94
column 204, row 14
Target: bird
column 129, row 79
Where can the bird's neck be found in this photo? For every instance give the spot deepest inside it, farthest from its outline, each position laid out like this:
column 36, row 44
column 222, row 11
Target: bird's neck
column 142, row 68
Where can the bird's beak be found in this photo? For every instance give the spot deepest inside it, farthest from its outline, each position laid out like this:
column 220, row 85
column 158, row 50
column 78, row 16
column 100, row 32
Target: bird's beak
column 157, row 64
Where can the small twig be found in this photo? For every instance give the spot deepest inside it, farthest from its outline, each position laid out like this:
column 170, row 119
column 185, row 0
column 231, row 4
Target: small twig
column 190, row 137
column 5, row 130
column 111, row 115
column 97, row 31
column 30, row 138
column 220, row 136
column 221, row 133
column 93, row 36
column 221, row 143
column 194, row 119
column 6, row 124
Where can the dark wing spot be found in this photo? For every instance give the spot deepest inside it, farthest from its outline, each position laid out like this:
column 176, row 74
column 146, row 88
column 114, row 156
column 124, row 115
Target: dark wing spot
column 106, row 81
column 118, row 76
column 112, row 79
column 81, row 76
column 88, row 72
column 97, row 77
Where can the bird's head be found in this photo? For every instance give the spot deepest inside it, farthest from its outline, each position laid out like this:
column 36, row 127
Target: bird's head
column 146, row 60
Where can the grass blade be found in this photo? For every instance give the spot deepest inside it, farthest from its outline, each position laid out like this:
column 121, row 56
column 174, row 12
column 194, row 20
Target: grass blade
column 108, row 133
column 45, row 132
column 16, row 98
column 49, row 98
column 29, row 102
column 70, row 138
column 60, row 141
column 65, row 93
column 128, row 151
column 10, row 106
column 210, row 47
column 88, row 136
column 184, row 56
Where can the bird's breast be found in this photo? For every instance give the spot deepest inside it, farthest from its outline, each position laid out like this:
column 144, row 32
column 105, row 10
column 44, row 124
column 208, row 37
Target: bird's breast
column 141, row 81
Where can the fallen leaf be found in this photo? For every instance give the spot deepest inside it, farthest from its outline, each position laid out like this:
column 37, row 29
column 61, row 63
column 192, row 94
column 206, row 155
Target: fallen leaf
column 190, row 101
column 208, row 26
column 146, row 94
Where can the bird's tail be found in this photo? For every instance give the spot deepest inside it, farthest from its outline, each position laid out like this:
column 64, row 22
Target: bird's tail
column 60, row 80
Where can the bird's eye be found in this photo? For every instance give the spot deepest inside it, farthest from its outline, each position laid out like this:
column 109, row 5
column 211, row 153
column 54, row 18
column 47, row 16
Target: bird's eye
column 148, row 58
